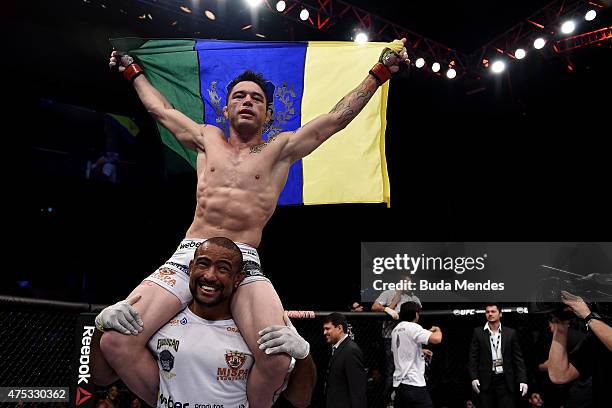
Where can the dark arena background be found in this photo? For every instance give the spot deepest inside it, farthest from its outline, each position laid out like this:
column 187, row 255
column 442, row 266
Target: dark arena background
column 520, row 155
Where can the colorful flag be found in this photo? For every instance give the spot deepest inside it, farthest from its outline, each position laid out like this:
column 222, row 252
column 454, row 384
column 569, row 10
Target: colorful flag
column 309, row 78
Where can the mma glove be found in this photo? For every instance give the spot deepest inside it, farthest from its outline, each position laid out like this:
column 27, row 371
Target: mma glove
column 121, row 317
column 283, row 339
column 381, row 72
column 132, row 69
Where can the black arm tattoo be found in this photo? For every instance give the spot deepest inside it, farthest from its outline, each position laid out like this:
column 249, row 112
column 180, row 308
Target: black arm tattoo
column 350, row 106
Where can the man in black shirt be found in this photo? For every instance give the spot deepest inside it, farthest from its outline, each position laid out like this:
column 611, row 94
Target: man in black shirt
column 593, row 357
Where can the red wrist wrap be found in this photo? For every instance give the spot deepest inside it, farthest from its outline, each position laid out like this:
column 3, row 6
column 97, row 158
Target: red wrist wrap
column 132, row 71
column 380, row 72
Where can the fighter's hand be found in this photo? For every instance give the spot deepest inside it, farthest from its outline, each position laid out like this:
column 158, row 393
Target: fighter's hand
column 283, row 339
column 523, row 388
column 393, row 60
column 434, row 329
column 576, row 304
column 476, row 386
column 121, row 317
column 428, row 353
column 392, row 313
column 119, row 60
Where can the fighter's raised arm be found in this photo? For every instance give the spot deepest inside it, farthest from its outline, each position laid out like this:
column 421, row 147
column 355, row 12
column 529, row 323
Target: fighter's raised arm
column 306, row 139
column 188, row 132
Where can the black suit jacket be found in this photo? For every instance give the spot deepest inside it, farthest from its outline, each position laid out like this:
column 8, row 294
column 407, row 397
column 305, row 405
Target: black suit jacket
column 481, row 363
column 346, row 382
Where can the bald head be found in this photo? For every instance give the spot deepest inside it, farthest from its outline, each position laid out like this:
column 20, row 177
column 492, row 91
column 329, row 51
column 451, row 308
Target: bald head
column 226, row 243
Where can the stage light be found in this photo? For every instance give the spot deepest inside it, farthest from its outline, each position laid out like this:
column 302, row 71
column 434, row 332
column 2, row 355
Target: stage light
column 253, row 3
column 420, row 63
column 435, row 67
column 361, row 38
column 210, row 15
column 451, row 73
column 520, row 53
column 185, row 9
column 304, row 15
column 539, row 43
column 281, row 6
column 498, row 67
column 260, row 35
column 590, row 15
column 568, row 27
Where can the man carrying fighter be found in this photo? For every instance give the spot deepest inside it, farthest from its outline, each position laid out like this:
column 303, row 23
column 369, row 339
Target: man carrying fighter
column 189, row 377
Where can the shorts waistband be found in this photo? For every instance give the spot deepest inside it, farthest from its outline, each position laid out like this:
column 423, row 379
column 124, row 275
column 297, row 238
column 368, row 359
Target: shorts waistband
column 196, row 242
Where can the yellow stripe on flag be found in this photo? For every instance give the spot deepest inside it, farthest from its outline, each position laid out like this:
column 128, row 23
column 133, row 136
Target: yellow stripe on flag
column 350, row 167
column 127, row 123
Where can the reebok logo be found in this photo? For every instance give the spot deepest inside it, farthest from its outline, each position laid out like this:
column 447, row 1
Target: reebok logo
column 82, row 396
column 84, row 359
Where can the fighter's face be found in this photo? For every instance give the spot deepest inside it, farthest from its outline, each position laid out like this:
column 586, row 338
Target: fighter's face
column 493, row 314
column 246, row 107
column 213, row 274
column 332, row 333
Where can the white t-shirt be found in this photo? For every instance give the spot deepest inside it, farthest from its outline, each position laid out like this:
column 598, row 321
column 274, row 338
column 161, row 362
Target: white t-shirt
column 406, row 341
column 202, row 363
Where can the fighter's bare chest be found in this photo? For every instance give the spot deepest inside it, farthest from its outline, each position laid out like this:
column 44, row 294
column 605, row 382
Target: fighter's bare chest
column 241, row 168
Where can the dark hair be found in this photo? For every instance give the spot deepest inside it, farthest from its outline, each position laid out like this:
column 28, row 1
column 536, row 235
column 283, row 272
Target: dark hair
column 266, row 86
column 337, row 319
column 494, row 304
column 227, row 244
column 408, row 311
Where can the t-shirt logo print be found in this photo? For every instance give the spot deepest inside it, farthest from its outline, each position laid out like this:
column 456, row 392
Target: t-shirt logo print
column 235, row 359
column 166, row 360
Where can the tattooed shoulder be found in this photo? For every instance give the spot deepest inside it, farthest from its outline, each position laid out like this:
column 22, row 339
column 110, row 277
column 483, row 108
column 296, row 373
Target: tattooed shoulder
column 260, row 147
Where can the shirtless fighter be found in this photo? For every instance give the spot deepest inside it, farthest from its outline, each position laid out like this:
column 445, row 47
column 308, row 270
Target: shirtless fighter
column 239, row 182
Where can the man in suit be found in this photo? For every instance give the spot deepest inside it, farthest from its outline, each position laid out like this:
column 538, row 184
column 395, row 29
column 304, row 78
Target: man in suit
column 345, row 382
column 496, row 362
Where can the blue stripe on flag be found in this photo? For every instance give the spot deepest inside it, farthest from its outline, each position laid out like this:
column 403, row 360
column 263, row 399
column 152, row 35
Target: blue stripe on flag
column 279, row 62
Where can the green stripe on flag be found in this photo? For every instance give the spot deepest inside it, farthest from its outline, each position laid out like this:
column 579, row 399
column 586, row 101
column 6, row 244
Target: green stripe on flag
column 172, row 68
